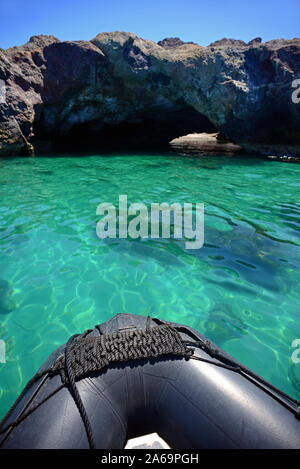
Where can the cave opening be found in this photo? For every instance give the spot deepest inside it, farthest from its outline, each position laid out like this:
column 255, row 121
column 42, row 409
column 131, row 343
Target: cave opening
column 151, row 131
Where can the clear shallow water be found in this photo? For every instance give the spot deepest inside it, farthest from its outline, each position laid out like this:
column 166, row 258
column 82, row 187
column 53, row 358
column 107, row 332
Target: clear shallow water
column 57, row 278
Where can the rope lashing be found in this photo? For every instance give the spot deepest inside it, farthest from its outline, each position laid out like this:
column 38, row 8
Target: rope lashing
column 91, row 354
column 85, row 355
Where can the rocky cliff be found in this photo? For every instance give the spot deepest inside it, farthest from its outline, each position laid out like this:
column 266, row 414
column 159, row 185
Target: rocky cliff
column 118, row 87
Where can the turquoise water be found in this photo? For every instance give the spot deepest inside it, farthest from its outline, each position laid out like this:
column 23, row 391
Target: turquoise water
column 57, row 278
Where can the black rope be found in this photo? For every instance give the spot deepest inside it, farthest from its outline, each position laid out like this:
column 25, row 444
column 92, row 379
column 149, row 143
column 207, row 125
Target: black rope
column 30, row 383
column 76, row 395
column 91, row 354
column 24, row 415
column 85, row 355
column 148, row 324
column 211, row 362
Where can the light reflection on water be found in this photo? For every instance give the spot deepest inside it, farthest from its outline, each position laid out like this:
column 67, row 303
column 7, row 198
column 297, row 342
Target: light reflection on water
column 57, row 278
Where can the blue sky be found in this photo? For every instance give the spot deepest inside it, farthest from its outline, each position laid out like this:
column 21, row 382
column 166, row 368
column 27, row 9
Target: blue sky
column 201, row 21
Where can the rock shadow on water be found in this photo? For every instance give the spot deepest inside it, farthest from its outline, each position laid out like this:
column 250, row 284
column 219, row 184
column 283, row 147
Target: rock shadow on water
column 149, row 249
column 223, row 324
column 251, row 255
column 19, row 240
column 290, row 215
column 7, row 304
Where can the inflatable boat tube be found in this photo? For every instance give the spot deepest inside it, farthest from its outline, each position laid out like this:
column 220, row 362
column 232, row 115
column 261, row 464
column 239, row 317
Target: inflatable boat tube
column 133, row 375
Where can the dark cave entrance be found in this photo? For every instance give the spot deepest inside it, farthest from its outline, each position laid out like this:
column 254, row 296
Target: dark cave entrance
column 147, row 132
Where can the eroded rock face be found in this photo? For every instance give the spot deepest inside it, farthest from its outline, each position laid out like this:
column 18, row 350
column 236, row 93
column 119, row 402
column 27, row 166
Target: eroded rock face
column 117, row 83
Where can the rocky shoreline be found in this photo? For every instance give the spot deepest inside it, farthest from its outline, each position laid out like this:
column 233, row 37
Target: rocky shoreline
column 119, row 88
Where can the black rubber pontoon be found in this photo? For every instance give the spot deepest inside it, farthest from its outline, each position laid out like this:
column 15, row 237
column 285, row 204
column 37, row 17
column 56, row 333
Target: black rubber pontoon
column 134, row 375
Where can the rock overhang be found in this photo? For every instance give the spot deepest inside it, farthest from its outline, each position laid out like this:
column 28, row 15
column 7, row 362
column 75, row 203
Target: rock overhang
column 118, row 78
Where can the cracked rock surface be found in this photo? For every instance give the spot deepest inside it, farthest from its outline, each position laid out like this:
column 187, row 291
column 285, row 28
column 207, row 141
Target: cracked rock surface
column 117, row 84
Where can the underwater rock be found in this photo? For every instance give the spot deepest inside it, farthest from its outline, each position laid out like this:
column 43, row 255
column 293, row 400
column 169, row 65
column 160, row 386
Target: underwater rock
column 222, row 324
column 294, row 376
column 6, row 302
column 90, row 91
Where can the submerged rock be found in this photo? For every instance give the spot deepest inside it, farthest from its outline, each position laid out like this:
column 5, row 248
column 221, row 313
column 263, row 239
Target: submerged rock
column 223, row 324
column 6, row 302
column 100, row 91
